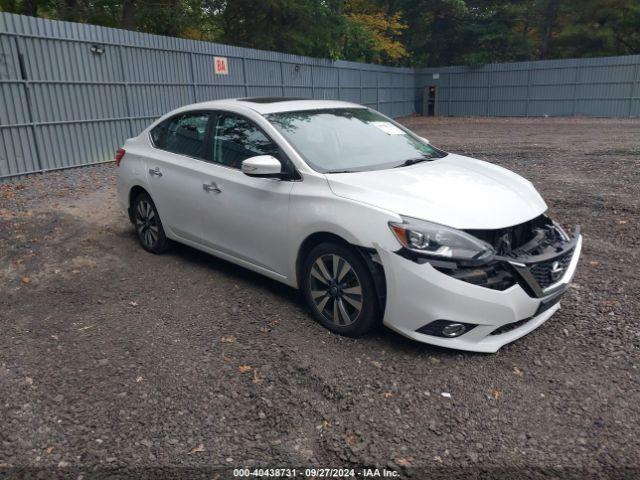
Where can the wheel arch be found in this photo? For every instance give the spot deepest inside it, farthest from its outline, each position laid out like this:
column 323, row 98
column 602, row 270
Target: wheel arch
column 134, row 191
column 368, row 255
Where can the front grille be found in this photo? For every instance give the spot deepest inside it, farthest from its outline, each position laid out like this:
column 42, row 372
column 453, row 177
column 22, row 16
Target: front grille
column 496, row 276
column 543, row 271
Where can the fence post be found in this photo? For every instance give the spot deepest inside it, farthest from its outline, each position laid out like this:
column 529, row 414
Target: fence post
column 313, row 83
column 576, row 69
column 125, row 84
column 244, row 77
column 450, row 92
column 526, row 110
column 634, row 86
column 488, row 94
column 377, row 90
column 27, row 93
column 193, row 79
column 282, row 77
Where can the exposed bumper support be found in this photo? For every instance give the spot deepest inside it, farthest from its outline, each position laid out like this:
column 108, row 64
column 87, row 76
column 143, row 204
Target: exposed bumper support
column 418, row 294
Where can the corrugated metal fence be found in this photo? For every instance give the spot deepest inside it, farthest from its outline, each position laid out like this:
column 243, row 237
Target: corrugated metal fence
column 64, row 105
column 71, row 93
column 600, row 87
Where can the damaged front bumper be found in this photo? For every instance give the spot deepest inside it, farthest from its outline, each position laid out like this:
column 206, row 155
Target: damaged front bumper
column 421, row 299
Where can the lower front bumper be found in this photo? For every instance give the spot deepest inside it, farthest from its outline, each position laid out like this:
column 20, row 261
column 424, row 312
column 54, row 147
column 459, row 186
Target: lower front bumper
column 418, row 294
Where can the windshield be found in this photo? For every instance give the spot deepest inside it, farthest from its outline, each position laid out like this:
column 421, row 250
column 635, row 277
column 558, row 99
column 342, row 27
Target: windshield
column 350, row 139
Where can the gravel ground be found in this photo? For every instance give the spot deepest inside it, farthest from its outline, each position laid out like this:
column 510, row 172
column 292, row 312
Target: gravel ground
column 115, row 361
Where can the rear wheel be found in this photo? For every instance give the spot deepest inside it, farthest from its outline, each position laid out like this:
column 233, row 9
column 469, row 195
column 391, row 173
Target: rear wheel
column 148, row 225
column 339, row 290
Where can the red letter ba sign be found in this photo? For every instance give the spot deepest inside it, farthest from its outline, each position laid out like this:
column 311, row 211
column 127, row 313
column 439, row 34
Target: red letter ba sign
column 221, row 66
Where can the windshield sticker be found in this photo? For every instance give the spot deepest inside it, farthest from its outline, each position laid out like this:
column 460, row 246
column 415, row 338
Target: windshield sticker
column 388, row 128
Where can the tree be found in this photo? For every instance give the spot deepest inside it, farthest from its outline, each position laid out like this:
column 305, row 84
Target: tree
column 304, row 27
column 393, row 32
column 371, row 34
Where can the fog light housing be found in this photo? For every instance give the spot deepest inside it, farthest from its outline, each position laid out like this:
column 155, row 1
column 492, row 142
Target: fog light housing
column 446, row 328
column 453, row 330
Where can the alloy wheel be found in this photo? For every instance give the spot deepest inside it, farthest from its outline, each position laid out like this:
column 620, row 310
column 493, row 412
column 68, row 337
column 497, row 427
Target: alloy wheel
column 336, row 289
column 146, row 223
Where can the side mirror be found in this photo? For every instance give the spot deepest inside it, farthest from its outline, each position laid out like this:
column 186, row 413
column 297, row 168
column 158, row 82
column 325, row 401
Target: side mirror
column 425, row 140
column 264, row 166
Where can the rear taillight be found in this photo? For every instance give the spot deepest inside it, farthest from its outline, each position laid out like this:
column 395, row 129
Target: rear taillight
column 119, row 155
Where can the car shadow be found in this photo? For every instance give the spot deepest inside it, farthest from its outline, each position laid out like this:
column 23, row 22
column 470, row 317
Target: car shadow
column 219, row 265
column 382, row 336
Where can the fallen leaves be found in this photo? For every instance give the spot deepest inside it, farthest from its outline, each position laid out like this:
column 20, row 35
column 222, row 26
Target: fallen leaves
column 244, row 368
column 8, row 194
column 49, row 450
column 404, row 462
column 388, row 394
column 25, row 280
column 256, row 377
column 228, row 339
column 518, row 372
column 133, row 303
column 496, row 394
column 197, row 449
column 140, row 379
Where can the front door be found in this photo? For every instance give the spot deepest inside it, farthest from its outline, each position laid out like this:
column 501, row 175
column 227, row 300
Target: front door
column 246, row 216
column 429, row 105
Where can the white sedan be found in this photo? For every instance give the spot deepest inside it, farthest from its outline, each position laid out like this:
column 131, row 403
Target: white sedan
column 371, row 221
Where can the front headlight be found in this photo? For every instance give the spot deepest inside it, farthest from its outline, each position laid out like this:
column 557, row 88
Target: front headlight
column 438, row 241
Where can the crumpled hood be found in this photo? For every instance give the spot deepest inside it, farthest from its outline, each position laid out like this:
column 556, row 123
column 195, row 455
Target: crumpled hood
column 457, row 191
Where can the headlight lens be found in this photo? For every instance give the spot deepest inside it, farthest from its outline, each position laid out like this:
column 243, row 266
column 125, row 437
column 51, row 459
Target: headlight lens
column 440, row 242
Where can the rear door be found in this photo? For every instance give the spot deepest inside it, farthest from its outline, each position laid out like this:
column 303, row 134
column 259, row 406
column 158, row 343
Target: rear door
column 248, row 217
column 175, row 169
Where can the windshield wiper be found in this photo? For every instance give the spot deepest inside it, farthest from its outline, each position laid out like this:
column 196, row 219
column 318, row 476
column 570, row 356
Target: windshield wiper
column 339, row 171
column 413, row 161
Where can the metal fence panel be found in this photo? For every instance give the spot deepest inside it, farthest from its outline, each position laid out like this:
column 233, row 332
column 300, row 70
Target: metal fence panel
column 602, row 87
column 92, row 87
column 56, row 91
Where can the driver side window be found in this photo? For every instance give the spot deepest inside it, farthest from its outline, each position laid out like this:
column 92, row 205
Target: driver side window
column 236, row 139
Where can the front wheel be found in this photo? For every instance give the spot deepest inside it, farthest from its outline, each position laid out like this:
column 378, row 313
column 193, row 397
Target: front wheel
column 340, row 290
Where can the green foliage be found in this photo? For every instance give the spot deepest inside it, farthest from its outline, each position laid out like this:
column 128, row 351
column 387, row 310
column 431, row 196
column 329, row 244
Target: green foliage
column 393, row 32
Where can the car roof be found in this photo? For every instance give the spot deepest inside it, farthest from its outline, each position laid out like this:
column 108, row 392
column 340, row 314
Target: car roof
column 265, row 105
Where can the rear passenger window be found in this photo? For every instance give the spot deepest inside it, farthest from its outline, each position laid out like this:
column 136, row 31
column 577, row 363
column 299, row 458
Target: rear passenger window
column 236, row 139
column 183, row 134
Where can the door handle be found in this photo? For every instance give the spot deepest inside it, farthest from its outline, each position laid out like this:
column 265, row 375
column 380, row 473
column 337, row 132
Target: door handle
column 155, row 171
column 211, row 187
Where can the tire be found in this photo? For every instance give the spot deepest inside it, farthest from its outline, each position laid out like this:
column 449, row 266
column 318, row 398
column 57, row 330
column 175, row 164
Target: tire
column 148, row 225
column 342, row 295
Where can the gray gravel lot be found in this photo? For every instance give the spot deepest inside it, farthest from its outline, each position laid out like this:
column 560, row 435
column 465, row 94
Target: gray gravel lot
column 116, row 361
